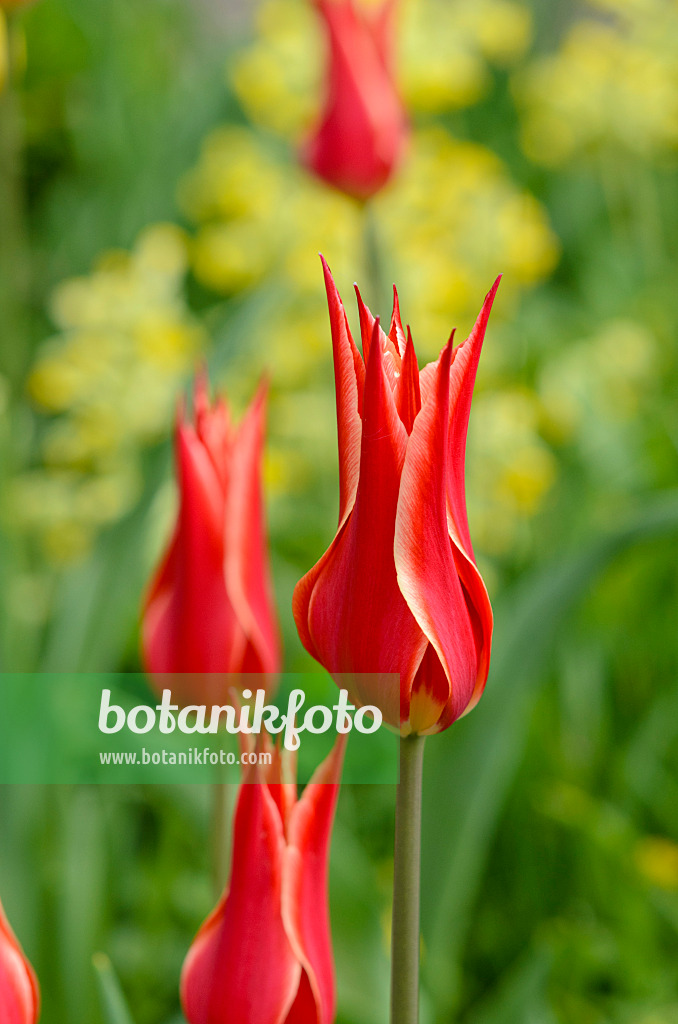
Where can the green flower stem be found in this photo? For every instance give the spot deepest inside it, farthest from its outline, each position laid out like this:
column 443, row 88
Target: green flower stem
column 222, row 809
column 14, row 253
column 406, row 883
column 374, row 293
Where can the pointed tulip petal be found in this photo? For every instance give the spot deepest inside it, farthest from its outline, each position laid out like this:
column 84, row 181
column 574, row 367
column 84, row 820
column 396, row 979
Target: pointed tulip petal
column 396, row 332
column 247, row 571
column 189, row 624
column 305, row 891
column 368, row 330
column 357, row 617
column 462, row 380
column 407, row 395
column 349, row 377
column 241, row 968
column 427, row 574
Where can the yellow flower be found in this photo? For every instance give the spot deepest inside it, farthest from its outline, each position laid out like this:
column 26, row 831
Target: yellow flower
column 613, row 83
column 109, row 379
column 656, row 858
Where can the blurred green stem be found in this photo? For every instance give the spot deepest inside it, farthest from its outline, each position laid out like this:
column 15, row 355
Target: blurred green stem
column 221, row 834
column 372, row 258
column 406, row 884
column 14, row 258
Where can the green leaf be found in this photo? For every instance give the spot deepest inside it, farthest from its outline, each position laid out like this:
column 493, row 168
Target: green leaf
column 469, row 770
column 520, row 995
column 112, row 1000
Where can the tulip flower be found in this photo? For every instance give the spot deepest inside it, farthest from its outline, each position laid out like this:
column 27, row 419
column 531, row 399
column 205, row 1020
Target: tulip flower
column 264, row 956
column 209, row 608
column 19, row 993
column 363, row 129
column 398, row 590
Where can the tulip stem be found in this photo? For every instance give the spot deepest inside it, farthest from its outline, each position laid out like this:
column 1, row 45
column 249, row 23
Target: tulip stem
column 221, row 834
column 406, row 884
column 372, row 257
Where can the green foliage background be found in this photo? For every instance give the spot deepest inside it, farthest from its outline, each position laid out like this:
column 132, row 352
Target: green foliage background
column 550, row 882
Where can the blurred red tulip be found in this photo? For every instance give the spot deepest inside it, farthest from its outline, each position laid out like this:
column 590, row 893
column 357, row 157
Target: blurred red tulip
column 210, row 607
column 264, row 956
column 363, row 129
column 398, row 590
column 19, row 993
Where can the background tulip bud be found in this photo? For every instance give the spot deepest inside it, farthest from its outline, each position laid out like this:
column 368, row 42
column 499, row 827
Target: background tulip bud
column 363, row 128
column 398, row 590
column 19, row 993
column 264, row 956
column 209, row 608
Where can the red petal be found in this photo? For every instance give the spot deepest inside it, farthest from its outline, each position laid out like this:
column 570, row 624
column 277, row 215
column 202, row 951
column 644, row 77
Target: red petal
column 189, row 624
column 349, row 378
column 246, row 567
column 429, row 699
column 407, row 396
column 396, row 332
column 305, row 1009
column 427, row 574
column 241, row 968
column 213, row 427
column 462, row 380
column 480, row 615
column 357, row 617
column 305, row 890
column 19, row 993
column 368, row 329
column 363, row 128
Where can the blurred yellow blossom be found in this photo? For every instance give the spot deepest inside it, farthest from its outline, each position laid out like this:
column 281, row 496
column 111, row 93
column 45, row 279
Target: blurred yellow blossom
column 605, row 377
column 613, row 83
column 511, row 469
column 657, row 860
column 447, row 225
column 110, row 379
column 447, row 47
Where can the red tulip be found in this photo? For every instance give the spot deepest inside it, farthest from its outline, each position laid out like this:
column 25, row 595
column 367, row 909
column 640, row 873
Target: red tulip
column 264, row 956
column 19, row 993
column 398, row 590
column 363, row 129
column 209, row 608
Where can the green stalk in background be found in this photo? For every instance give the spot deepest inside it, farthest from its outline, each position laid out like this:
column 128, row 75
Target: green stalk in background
column 376, row 293
column 222, row 811
column 14, row 252
column 406, row 885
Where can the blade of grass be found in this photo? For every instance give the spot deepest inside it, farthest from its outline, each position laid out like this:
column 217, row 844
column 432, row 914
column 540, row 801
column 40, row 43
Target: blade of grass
column 113, row 1002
